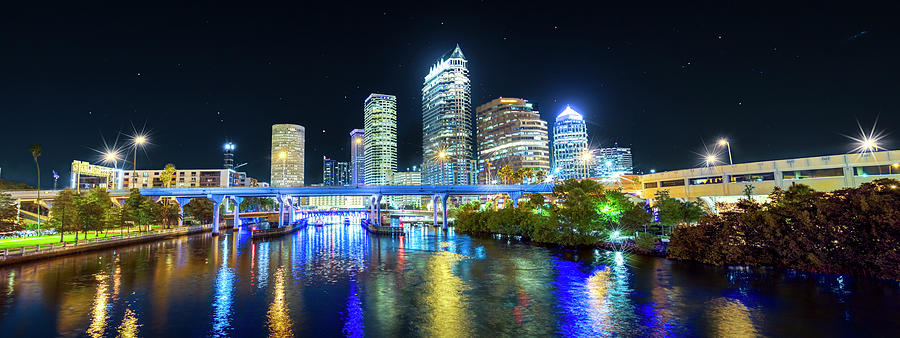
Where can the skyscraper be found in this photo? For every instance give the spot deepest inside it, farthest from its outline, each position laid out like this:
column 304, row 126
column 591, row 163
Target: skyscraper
column 447, row 147
column 335, row 172
column 288, row 150
column 613, row 161
column 229, row 156
column 510, row 132
column 380, row 140
column 409, row 177
column 570, row 157
column 357, row 157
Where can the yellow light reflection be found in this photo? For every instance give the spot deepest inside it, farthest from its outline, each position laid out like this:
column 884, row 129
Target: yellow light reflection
column 446, row 314
column 279, row 317
column 129, row 326
column 598, row 289
column 730, row 318
column 98, row 311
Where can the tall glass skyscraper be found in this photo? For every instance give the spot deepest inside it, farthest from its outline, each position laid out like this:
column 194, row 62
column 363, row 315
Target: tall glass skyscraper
column 447, row 146
column 288, row 150
column 570, row 156
column 613, row 161
column 335, row 172
column 510, row 133
column 357, row 157
column 380, row 140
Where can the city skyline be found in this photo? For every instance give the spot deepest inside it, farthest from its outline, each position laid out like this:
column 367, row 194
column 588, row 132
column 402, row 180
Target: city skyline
column 630, row 81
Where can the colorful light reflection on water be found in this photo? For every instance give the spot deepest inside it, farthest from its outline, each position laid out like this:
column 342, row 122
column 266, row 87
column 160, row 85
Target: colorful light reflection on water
column 339, row 280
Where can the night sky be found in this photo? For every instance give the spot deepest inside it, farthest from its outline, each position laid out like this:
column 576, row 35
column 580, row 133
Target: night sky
column 778, row 81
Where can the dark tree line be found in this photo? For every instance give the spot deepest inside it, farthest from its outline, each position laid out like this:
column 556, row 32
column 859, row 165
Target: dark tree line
column 852, row 230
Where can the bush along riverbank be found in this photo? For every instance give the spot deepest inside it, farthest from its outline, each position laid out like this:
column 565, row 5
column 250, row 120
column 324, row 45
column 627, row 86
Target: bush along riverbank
column 848, row 231
column 580, row 213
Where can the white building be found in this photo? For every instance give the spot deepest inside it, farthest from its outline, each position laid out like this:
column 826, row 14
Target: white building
column 570, row 156
column 288, row 151
column 447, row 141
column 380, row 139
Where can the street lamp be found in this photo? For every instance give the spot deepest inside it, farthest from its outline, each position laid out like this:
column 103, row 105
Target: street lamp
column 138, row 141
column 586, row 157
column 711, row 159
column 724, row 142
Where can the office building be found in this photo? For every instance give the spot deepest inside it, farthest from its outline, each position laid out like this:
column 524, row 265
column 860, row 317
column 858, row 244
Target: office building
column 229, row 156
column 188, row 178
column 380, row 139
column 447, row 141
column 335, row 173
column 613, row 161
column 570, row 156
column 510, row 132
column 409, row 177
column 357, row 157
column 288, row 151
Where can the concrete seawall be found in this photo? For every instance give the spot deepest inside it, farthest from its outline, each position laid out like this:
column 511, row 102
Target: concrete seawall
column 101, row 245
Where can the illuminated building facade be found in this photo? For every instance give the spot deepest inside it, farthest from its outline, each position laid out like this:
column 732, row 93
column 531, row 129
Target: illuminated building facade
column 380, row 139
column 447, row 146
column 288, row 151
column 87, row 176
column 408, row 177
column 613, row 161
column 510, row 132
column 229, row 156
column 335, row 172
column 189, row 178
column 570, row 146
column 357, row 157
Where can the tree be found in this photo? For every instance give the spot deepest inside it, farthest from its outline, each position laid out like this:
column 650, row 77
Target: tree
column 7, row 213
column 635, row 218
column 63, row 212
column 90, row 213
column 169, row 214
column 539, row 176
column 36, row 150
column 201, row 209
column 258, row 204
column 748, row 191
column 507, row 174
column 574, row 216
column 167, row 176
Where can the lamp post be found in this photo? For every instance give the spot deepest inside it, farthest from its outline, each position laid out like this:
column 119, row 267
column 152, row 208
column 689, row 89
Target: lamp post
column 586, row 157
column 724, row 142
column 138, row 140
column 112, row 156
column 711, row 159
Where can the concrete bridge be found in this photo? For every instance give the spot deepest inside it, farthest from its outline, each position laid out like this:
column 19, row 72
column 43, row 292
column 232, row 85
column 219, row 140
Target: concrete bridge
column 286, row 196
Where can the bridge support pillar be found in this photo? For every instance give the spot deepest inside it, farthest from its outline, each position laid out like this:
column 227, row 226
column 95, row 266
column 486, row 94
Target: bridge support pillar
column 217, row 202
column 378, row 210
column 434, row 207
column 290, row 207
column 514, row 197
column 444, row 209
column 182, row 201
column 237, row 210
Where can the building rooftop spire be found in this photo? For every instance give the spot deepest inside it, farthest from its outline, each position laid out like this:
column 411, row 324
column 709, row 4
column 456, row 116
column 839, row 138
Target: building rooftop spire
column 569, row 114
column 457, row 53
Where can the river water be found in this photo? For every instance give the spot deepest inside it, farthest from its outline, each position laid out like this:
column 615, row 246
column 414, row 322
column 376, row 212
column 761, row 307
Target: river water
column 339, row 280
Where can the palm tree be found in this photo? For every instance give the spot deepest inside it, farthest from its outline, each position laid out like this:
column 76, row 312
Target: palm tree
column 36, row 151
column 539, row 176
column 506, row 174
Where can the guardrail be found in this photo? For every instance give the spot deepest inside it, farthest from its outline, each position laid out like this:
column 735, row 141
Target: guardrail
column 69, row 245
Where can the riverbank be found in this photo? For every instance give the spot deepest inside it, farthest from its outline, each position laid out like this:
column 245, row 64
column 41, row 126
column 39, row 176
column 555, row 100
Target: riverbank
column 45, row 251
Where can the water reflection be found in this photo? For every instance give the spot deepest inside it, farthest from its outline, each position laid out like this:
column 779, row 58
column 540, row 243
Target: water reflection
column 339, row 280
column 98, row 311
column 278, row 316
column 223, row 297
column 129, row 326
